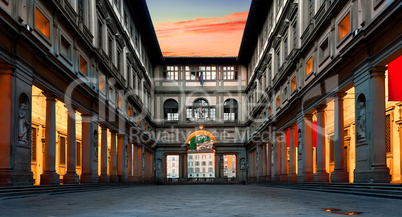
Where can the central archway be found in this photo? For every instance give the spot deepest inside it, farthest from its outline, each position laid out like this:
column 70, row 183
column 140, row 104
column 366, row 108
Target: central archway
column 201, row 156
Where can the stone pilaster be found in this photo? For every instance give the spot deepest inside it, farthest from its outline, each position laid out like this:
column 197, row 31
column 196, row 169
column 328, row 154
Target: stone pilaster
column 278, row 147
column 113, row 158
column 90, row 146
column 307, row 149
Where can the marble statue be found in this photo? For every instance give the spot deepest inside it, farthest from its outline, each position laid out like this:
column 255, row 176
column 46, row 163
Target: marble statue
column 24, row 125
column 300, row 144
column 361, row 121
column 95, row 154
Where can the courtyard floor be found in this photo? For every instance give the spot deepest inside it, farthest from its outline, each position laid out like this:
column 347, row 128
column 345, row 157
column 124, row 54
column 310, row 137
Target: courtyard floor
column 198, row 200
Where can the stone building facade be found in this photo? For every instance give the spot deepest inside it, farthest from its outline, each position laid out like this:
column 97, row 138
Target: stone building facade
column 87, row 97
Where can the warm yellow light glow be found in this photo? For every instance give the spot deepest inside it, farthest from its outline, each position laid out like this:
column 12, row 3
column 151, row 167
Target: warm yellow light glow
column 294, row 84
column 309, row 66
column 101, row 84
column 129, row 111
column 344, row 27
column 278, row 102
column 119, row 103
column 42, row 23
column 83, row 65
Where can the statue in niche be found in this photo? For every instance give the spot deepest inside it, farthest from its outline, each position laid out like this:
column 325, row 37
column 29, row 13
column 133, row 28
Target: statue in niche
column 200, row 112
column 95, row 154
column 24, row 125
column 361, row 121
column 300, row 144
column 125, row 156
column 242, row 164
column 159, row 165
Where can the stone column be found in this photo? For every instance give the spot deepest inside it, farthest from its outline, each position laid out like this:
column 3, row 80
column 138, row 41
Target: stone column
column 142, row 163
column 151, row 165
column 216, row 166
column 264, row 162
column 121, row 158
column 103, row 178
column 130, row 162
column 376, row 109
column 89, row 149
column 71, row 177
column 321, row 175
column 184, row 166
column 135, row 163
column 278, row 147
column 269, row 165
column 139, row 164
column 284, row 155
column 340, row 174
column 49, row 175
column 113, row 161
column 308, row 175
column 292, row 156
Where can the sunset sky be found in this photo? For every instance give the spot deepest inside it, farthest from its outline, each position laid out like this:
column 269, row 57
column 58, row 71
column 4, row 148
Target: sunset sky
column 199, row 27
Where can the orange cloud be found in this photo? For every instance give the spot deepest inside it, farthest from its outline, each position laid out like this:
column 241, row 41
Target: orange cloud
column 216, row 36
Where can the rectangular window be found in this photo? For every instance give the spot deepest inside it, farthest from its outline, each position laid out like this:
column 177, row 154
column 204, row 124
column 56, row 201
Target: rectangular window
column 197, row 163
column 110, row 49
column 294, row 84
column 309, row 66
column 119, row 61
column 324, row 50
column 42, row 23
column 83, row 65
column 295, row 35
column 344, row 27
column 65, row 48
column 210, row 163
column 285, row 47
column 210, row 170
column 229, row 73
column 100, row 38
column 197, row 170
column 119, row 102
column 278, row 101
column 213, row 113
column 62, row 150
column 188, row 113
column 102, row 84
column 171, row 73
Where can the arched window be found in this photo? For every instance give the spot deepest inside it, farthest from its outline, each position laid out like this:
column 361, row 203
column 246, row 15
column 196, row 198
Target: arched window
column 200, row 109
column 230, row 108
column 171, row 110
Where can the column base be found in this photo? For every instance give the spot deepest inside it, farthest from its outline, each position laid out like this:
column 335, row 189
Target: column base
column 340, row 176
column 89, row 178
column 71, row 178
column 292, row 178
column 49, row 178
column 123, row 179
column 321, row 177
column 113, row 179
column 8, row 178
column 375, row 175
column 277, row 178
column 306, row 177
column 104, row 178
column 284, row 178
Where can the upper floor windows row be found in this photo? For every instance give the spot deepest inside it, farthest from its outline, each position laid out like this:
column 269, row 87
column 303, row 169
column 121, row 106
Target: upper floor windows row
column 194, row 73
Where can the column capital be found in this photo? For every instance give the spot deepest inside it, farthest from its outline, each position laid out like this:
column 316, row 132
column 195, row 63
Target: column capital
column 378, row 71
column 103, row 126
column 339, row 95
column 49, row 95
column 308, row 116
column 321, row 107
column 113, row 132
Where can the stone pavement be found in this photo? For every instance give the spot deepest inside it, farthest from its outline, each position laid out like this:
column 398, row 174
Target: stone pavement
column 197, row 200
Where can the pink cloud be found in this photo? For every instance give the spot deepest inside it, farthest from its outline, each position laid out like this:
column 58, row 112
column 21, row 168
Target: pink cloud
column 216, row 36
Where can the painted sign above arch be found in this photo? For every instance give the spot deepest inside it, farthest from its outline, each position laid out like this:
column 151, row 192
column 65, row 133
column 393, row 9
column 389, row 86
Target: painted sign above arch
column 200, row 141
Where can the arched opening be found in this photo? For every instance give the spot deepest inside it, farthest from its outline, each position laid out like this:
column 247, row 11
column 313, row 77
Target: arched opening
column 230, row 110
column 171, row 110
column 200, row 156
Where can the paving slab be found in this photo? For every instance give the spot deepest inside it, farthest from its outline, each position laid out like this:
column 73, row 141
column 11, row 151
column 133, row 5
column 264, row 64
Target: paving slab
column 198, row 200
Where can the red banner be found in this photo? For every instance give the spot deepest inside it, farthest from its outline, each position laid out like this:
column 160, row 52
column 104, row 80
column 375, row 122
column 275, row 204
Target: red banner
column 395, row 80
